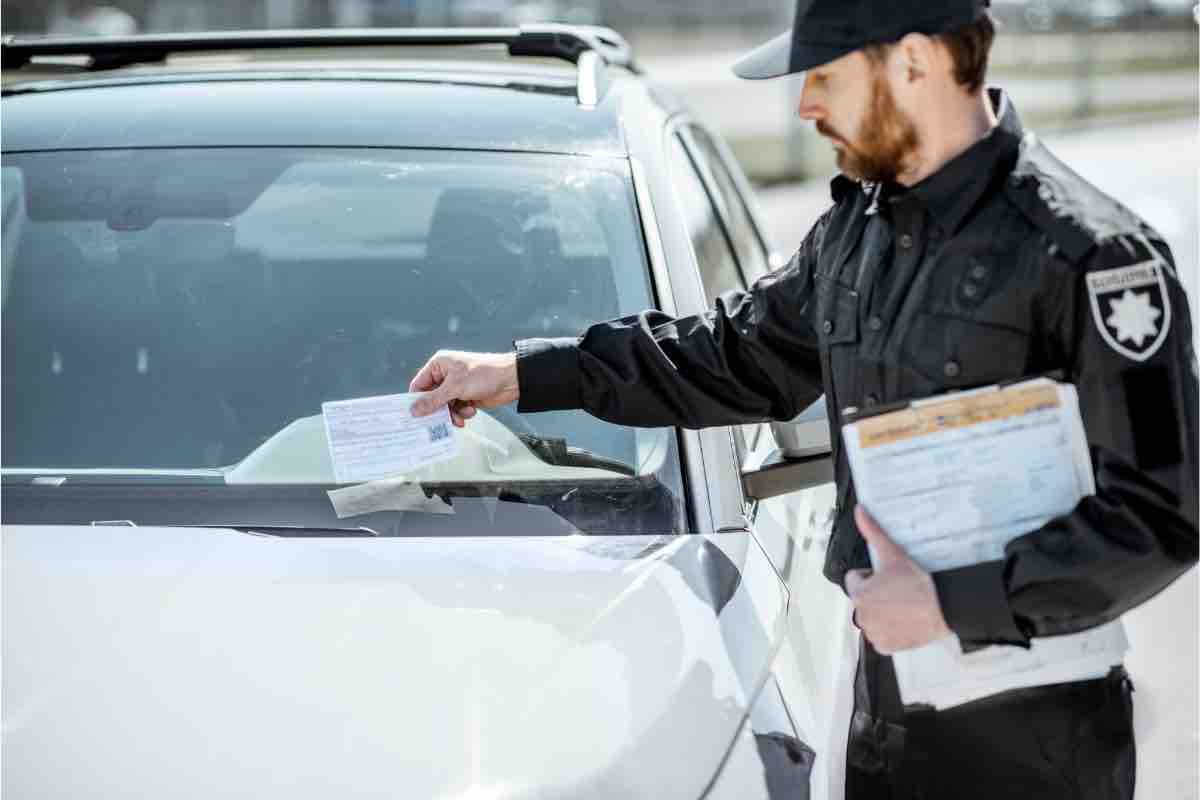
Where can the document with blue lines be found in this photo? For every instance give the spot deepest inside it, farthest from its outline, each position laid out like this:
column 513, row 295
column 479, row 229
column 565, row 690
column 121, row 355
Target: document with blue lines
column 953, row 479
column 371, row 438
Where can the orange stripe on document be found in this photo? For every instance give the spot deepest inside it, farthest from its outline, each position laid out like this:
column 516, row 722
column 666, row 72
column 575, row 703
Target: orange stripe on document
column 956, row 412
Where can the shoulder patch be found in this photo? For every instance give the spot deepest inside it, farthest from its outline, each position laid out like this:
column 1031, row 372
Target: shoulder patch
column 1131, row 308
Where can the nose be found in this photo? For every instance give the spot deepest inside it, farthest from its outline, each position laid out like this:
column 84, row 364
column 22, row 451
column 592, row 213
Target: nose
column 810, row 109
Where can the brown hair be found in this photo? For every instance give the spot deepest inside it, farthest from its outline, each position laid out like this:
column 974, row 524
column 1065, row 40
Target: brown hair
column 969, row 47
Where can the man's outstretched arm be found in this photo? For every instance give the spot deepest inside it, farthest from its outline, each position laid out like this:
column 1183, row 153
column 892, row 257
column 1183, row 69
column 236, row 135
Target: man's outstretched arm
column 753, row 356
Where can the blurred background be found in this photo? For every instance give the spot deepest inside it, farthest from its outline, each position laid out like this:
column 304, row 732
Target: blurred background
column 1112, row 85
column 1065, row 62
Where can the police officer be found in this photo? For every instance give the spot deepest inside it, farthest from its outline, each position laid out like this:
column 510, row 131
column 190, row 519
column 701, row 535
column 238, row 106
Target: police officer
column 958, row 252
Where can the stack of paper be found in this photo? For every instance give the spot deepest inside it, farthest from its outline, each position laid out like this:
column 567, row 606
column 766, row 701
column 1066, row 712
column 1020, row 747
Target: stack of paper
column 953, row 479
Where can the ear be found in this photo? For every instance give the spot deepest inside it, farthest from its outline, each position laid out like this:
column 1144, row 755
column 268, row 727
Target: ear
column 915, row 57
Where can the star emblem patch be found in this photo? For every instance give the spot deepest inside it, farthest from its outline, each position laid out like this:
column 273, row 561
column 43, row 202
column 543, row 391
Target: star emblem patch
column 1131, row 309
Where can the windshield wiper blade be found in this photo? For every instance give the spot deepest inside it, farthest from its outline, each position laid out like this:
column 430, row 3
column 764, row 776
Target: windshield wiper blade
column 558, row 453
column 290, row 531
column 89, row 477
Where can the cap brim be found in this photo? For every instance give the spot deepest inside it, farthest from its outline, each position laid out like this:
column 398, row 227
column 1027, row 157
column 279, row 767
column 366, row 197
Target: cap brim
column 782, row 56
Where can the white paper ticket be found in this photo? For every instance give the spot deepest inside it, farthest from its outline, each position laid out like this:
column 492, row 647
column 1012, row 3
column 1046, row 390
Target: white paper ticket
column 371, row 438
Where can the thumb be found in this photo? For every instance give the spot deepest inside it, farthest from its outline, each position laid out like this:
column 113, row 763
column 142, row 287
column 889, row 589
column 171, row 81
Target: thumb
column 435, row 399
column 886, row 551
column 856, row 581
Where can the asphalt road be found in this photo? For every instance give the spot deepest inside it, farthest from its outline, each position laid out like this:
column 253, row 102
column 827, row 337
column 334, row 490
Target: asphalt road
column 1153, row 169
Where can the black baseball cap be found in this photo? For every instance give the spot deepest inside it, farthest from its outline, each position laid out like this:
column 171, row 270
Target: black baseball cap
column 826, row 30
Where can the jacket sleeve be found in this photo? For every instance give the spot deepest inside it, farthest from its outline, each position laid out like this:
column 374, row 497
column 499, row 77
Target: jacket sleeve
column 754, row 356
column 1137, row 534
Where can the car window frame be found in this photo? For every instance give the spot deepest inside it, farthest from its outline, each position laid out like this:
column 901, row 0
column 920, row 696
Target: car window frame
column 746, row 438
column 676, row 138
column 699, row 139
column 745, row 192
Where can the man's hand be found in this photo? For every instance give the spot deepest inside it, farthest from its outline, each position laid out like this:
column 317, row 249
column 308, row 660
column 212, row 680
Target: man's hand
column 464, row 381
column 895, row 605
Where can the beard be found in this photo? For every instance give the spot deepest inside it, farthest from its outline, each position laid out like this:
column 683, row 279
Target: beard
column 888, row 142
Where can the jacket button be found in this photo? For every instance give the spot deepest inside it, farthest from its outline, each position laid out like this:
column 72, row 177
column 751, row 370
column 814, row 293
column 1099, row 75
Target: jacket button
column 875, row 323
column 951, row 369
column 906, row 241
column 970, row 291
column 827, row 326
column 979, row 272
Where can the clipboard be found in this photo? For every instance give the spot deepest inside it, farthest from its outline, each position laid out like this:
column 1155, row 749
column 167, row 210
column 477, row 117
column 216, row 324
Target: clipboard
column 953, row 489
column 852, row 414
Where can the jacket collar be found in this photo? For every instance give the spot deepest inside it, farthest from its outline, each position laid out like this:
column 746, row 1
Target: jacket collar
column 951, row 193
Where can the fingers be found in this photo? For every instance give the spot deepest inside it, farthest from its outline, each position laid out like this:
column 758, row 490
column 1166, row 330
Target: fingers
column 460, row 412
column 435, row 399
column 856, row 581
column 867, row 525
column 428, row 377
column 884, row 646
column 885, row 549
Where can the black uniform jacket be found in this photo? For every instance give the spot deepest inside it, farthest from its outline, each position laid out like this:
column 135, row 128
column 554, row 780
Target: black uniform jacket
column 1003, row 264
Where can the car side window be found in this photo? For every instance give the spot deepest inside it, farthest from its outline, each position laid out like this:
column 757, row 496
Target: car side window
column 719, row 270
column 748, row 246
column 714, row 255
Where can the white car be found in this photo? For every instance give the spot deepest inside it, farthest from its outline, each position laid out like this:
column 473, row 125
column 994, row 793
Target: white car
column 201, row 249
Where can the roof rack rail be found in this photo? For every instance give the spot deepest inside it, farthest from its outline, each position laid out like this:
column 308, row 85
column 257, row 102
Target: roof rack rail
column 567, row 42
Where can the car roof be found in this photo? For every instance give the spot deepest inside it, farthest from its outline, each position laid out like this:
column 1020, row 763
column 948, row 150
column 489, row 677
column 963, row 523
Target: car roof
column 364, row 110
column 456, row 97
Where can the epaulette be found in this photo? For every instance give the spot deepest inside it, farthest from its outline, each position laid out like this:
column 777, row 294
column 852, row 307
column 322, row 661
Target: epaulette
column 1073, row 213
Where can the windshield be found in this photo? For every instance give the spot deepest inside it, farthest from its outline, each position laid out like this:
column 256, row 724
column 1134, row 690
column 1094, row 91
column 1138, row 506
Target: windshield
column 185, row 312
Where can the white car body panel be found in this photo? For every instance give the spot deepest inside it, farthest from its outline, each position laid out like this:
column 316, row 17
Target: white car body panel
column 197, row 662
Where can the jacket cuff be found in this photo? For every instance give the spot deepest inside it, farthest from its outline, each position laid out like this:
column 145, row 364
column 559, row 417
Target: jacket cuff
column 547, row 374
column 975, row 604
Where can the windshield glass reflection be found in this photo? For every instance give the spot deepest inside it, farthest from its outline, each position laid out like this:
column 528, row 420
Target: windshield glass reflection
column 189, row 310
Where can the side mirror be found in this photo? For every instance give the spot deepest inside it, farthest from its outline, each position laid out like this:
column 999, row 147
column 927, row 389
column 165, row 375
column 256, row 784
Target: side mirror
column 807, row 434
column 803, row 458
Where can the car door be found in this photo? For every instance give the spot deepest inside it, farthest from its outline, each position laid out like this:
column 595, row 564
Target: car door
column 815, row 671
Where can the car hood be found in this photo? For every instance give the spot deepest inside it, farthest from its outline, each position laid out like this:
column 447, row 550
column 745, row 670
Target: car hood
column 191, row 662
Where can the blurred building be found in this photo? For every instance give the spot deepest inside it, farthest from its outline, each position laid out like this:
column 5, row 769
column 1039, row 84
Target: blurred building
column 83, row 18
column 39, row 16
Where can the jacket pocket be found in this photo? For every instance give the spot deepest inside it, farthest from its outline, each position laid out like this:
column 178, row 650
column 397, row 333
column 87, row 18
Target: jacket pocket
column 837, row 316
column 955, row 353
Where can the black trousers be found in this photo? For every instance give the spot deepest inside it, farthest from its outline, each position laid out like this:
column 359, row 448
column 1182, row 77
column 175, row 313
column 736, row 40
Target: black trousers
column 1070, row 741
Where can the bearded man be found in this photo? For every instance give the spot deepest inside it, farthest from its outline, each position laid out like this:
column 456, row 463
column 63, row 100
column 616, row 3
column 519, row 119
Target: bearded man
column 958, row 252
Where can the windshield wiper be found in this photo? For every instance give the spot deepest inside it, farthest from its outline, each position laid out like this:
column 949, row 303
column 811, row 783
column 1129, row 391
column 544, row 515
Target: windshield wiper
column 558, row 453
column 73, row 476
column 286, row 531
column 290, row 531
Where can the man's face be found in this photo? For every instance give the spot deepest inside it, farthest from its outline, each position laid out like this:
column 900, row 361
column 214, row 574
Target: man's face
column 852, row 104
